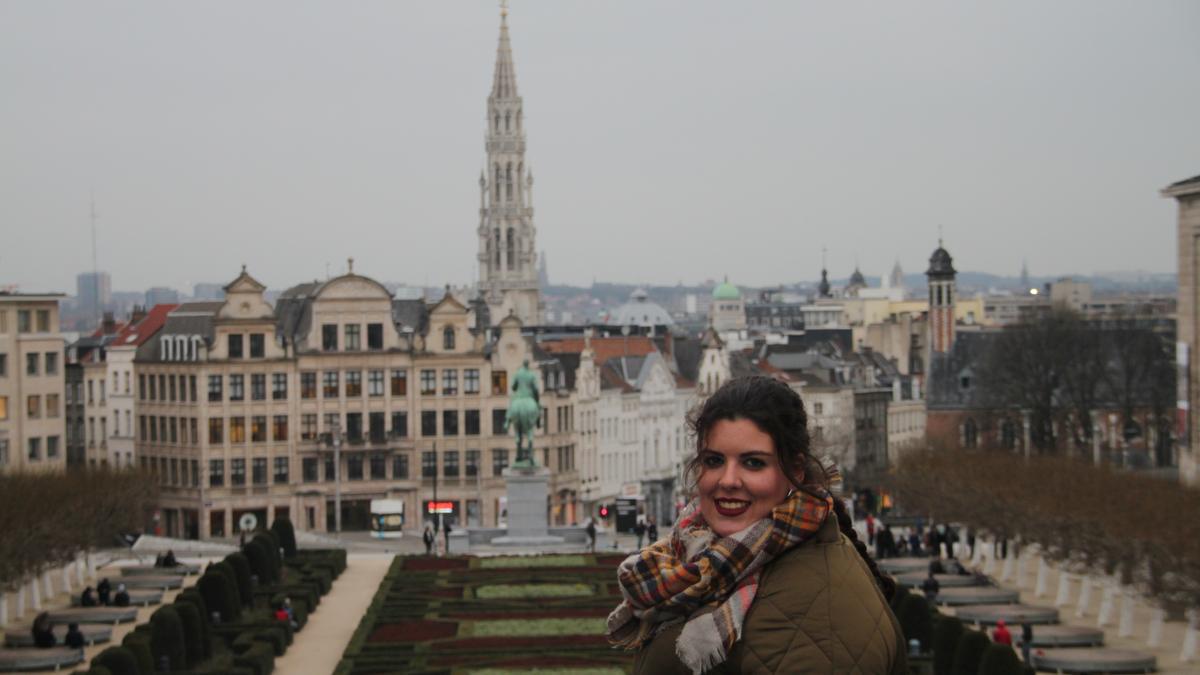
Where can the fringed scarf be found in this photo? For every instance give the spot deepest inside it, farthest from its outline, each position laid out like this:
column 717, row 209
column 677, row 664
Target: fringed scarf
column 706, row 580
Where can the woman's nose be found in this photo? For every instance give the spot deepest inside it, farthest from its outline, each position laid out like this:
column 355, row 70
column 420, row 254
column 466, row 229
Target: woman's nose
column 730, row 476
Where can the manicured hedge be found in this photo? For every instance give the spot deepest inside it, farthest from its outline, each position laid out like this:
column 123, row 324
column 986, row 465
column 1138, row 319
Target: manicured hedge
column 138, row 643
column 243, row 574
column 167, row 638
column 193, row 597
column 118, row 660
column 260, row 560
column 193, row 636
column 969, row 653
column 1000, row 660
column 270, row 544
column 946, row 633
column 916, row 621
column 282, row 527
column 220, row 594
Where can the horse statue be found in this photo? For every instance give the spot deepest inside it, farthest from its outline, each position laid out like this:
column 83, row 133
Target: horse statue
column 524, row 413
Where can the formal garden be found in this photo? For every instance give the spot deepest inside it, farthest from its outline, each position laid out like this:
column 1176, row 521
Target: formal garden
column 490, row 615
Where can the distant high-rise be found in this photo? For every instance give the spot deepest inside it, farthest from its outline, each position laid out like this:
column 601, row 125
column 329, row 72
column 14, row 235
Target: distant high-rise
column 1025, row 276
column 206, row 291
column 896, row 279
column 94, row 291
column 508, row 273
column 161, row 295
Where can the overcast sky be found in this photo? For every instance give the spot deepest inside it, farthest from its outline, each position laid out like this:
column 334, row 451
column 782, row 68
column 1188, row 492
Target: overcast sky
column 670, row 141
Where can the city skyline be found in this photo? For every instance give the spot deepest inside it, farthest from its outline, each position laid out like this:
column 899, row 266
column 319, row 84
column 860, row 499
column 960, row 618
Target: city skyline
column 367, row 126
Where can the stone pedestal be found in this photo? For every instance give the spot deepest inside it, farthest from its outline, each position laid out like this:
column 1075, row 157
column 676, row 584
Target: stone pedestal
column 528, row 489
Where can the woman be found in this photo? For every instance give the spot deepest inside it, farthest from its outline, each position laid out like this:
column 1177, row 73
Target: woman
column 763, row 572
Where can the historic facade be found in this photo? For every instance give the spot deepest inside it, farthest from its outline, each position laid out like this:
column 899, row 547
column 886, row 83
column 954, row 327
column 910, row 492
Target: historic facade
column 1187, row 194
column 31, row 383
column 508, row 265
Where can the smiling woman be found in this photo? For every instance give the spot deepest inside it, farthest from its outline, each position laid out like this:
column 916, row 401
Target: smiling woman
column 734, row 588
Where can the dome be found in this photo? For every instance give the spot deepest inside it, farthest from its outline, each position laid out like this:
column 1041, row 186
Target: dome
column 857, row 278
column 640, row 311
column 940, row 263
column 726, row 291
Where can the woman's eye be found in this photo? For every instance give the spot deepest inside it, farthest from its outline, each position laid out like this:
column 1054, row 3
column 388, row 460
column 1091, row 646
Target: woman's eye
column 754, row 463
column 711, row 461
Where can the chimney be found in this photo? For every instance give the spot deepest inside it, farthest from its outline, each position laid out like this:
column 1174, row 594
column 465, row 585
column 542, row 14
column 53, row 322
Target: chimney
column 138, row 313
column 110, row 324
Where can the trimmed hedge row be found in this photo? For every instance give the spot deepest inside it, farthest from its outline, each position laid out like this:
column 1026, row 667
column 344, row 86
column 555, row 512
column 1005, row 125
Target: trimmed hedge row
column 957, row 650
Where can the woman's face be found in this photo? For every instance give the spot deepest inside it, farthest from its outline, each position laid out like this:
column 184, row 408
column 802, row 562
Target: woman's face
column 741, row 478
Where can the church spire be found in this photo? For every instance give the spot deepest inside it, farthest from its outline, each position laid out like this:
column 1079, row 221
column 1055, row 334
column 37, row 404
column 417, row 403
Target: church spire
column 504, row 81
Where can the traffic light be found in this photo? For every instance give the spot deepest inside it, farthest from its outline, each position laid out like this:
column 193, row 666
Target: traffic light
column 604, row 510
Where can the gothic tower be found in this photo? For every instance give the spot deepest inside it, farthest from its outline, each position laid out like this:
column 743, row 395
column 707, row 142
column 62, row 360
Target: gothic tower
column 942, row 289
column 508, row 272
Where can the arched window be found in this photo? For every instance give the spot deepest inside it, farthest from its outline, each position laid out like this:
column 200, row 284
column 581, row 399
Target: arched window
column 512, row 249
column 970, row 434
column 497, row 182
column 497, row 121
column 508, row 180
column 497, row 248
column 448, row 337
column 508, row 121
column 939, row 296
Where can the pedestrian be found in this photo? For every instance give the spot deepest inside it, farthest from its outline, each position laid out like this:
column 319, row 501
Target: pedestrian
column 765, row 528
column 591, row 535
column 104, row 590
column 446, row 533
column 651, row 530
column 43, row 631
column 428, row 538
column 870, row 530
column 930, row 587
column 914, row 543
column 1026, row 642
column 74, row 636
column 88, row 599
column 885, row 543
column 640, row 531
column 121, row 599
column 1000, row 635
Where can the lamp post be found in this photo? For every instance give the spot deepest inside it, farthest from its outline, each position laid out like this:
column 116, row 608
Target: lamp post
column 336, row 439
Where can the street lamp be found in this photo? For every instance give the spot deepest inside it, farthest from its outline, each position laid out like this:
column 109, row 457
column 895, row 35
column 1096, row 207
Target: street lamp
column 335, row 434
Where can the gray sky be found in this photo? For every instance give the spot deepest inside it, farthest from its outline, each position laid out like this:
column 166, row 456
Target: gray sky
column 669, row 140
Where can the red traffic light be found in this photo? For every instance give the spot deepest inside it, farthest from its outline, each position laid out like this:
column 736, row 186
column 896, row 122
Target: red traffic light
column 604, row 510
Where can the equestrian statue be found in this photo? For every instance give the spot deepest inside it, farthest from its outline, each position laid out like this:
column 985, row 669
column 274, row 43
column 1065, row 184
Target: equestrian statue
column 524, row 414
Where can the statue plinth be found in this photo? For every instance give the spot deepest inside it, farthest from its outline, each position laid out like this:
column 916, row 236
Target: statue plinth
column 528, row 487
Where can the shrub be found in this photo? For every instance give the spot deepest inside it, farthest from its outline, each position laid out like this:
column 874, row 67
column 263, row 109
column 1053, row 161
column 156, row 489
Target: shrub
column 138, row 642
column 97, row 670
column 946, row 634
column 118, row 660
column 193, row 635
column 271, row 545
column 1000, row 659
column 167, row 637
column 282, row 527
column 260, row 560
column 193, row 597
column 901, row 593
column 220, row 595
column 258, row 656
column 242, row 574
column 970, row 652
column 916, row 620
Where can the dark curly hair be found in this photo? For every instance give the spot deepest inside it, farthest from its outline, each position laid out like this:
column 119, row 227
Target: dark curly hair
column 778, row 411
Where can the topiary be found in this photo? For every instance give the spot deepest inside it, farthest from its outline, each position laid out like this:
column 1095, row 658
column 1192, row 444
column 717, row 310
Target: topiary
column 915, row 620
column 271, row 545
column 220, row 595
column 260, row 559
column 946, row 634
column 193, row 634
column 138, row 642
column 167, row 638
column 902, row 592
column 118, row 660
column 193, row 597
column 1000, row 659
column 282, row 527
column 225, row 568
column 243, row 574
column 97, row 669
column 969, row 652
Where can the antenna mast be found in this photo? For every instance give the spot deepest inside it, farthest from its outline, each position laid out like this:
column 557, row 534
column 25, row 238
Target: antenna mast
column 95, row 266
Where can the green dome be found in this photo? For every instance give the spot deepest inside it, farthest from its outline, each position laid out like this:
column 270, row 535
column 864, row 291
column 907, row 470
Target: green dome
column 726, row 291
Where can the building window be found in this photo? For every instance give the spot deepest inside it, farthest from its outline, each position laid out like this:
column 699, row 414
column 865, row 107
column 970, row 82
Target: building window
column 400, row 467
column 450, row 464
column 378, row 467
column 499, row 461
column 216, row 430
column 281, row 470
column 191, row 386
column 258, row 429
column 428, row 382
column 471, row 422
column 498, row 415
column 329, row 337
column 471, row 381
column 23, row 324
column 399, row 383
column 153, row 389
column 3, row 407
column 448, row 337
column 52, row 405
column 257, row 346
column 33, row 406
column 330, row 469
column 330, row 389
column 428, row 464
column 3, row 365
column 279, row 386
column 237, row 387
column 216, row 472
column 449, row 382
column 333, row 423
column 399, row 425
column 280, row 428
column 472, row 467
column 354, row 428
column 259, row 470
column 449, row 422
column 970, row 434
column 354, row 467
column 258, row 387
column 51, row 447
column 51, row 363
column 35, row 449
column 499, row 383
column 31, row 364
column 235, row 346
column 309, row 468
column 308, row 427
column 308, row 385
column 237, row 429
column 237, row 472
column 428, row 423
column 374, row 336
column 353, row 337
column 375, row 383
column 43, row 320
column 4, row 452
column 353, row 383
column 375, row 428
column 214, row 387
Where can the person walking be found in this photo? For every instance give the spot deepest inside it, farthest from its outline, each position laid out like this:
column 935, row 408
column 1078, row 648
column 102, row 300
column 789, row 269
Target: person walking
column 591, row 535
column 1026, row 642
column 640, row 531
column 763, row 570
column 1000, row 635
column 651, row 530
column 885, row 543
column 446, row 533
column 428, row 538
column 870, row 530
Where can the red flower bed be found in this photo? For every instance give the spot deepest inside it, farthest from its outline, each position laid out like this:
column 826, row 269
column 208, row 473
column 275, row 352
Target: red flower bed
column 433, row 564
column 413, row 631
column 446, row 592
column 509, row 643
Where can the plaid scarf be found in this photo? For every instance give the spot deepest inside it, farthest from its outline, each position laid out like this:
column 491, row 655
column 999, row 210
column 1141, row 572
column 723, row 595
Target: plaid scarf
column 706, row 580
